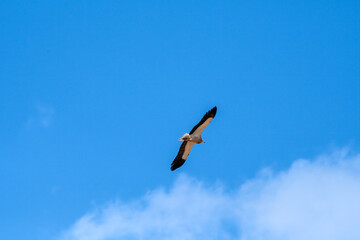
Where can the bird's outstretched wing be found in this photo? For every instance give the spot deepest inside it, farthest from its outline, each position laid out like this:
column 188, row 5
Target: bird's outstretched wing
column 199, row 128
column 183, row 153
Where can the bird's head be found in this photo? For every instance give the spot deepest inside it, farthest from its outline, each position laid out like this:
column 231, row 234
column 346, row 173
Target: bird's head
column 186, row 137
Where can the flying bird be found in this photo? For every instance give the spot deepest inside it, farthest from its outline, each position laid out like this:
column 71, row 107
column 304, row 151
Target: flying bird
column 189, row 139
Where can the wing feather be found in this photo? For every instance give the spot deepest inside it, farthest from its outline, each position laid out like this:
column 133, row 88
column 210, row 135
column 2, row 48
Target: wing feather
column 204, row 122
column 182, row 155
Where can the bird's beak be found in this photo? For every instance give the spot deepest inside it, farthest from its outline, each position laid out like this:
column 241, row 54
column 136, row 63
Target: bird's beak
column 202, row 141
column 181, row 139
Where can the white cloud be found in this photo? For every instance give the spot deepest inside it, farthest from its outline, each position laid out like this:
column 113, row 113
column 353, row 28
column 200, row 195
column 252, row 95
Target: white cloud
column 42, row 117
column 182, row 213
column 317, row 199
column 312, row 200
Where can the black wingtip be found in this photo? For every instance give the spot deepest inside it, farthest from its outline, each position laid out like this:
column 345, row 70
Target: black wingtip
column 177, row 163
column 212, row 112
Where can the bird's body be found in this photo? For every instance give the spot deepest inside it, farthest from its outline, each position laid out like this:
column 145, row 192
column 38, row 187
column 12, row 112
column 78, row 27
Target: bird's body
column 195, row 138
column 191, row 138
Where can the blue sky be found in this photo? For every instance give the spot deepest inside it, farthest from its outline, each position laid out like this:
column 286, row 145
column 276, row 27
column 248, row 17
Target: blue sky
column 94, row 95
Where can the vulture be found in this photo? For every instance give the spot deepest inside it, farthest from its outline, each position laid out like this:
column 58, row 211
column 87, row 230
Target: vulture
column 189, row 139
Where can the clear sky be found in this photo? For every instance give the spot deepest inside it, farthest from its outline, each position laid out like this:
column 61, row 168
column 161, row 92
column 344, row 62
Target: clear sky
column 95, row 94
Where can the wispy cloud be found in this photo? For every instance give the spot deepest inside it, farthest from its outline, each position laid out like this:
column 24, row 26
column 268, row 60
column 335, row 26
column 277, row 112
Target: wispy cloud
column 42, row 116
column 316, row 199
